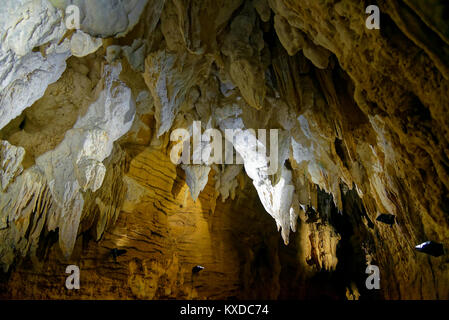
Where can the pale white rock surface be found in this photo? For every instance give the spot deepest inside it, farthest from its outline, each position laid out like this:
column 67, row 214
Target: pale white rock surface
column 25, row 74
column 26, row 24
column 170, row 77
column 136, row 54
column 77, row 163
column 226, row 182
column 11, row 158
column 82, row 44
column 113, row 53
column 311, row 152
column 196, row 178
column 276, row 195
column 106, row 18
column 197, row 174
column 26, row 196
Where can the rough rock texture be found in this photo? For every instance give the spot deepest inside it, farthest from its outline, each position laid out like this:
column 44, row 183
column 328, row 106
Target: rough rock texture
column 76, row 164
column 11, row 158
column 85, row 152
column 105, row 18
column 24, row 74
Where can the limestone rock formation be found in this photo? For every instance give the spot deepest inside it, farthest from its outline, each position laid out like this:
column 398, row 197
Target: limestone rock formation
column 25, row 25
column 353, row 125
column 11, row 158
column 77, row 162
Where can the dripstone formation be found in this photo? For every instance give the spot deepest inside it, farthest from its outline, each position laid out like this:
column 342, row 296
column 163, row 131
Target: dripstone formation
column 361, row 174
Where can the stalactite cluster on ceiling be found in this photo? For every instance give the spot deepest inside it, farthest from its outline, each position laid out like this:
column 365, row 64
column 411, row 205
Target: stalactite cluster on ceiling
column 85, row 123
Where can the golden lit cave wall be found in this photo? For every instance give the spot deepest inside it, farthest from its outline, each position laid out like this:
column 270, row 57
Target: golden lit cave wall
column 165, row 234
column 383, row 101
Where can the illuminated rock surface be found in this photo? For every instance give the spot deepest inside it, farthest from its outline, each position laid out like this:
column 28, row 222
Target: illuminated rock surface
column 85, row 123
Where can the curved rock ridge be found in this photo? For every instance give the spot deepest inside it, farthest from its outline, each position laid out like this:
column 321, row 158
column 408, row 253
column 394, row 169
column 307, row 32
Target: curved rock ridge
column 76, row 165
column 361, row 127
